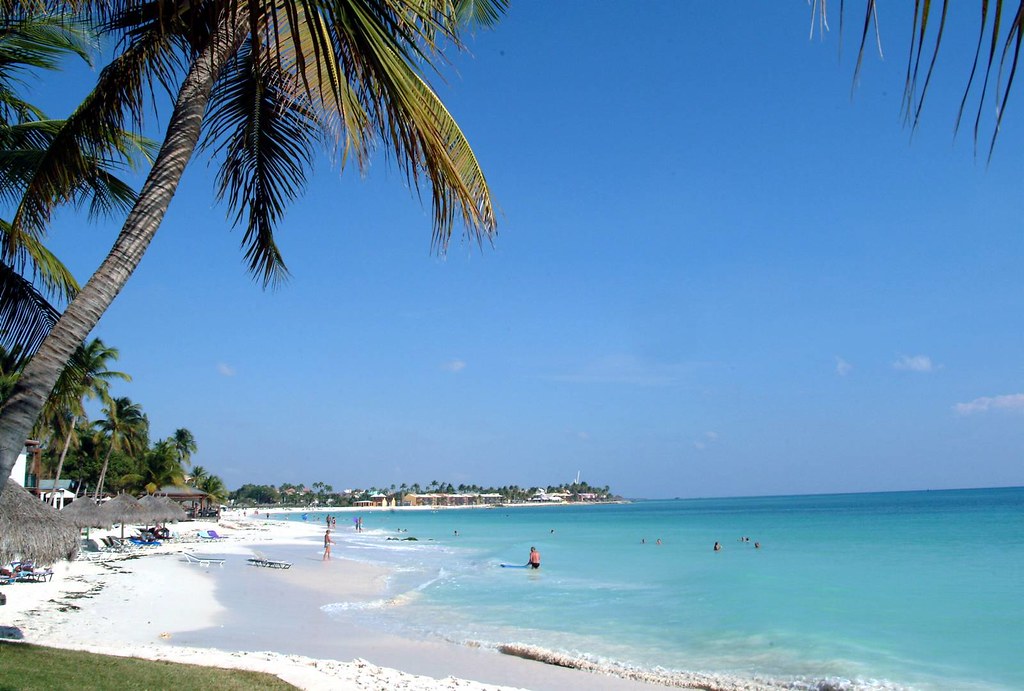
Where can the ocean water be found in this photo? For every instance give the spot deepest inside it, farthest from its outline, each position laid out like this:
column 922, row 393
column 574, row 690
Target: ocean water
column 917, row 590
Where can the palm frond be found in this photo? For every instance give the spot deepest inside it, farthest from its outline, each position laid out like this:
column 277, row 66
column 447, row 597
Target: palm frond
column 267, row 139
column 1000, row 66
column 25, row 315
column 32, row 43
column 405, row 111
column 485, row 13
column 87, row 144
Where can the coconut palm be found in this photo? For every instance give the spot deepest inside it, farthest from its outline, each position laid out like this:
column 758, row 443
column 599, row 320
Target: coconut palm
column 198, row 475
column 184, row 446
column 276, row 79
column 126, row 428
column 86, row 376
column 160, row 467
column 214, row 487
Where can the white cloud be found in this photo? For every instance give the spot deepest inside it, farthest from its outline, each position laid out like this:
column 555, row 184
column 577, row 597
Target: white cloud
column 454, row 366
column 708, row 439
column 984, row 404
column 225, row 369
column 914, row 363
column 842, row 367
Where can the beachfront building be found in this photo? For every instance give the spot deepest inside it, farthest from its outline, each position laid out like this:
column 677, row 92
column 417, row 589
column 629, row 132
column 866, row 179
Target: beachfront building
column 542, row 496
column 196, row 502
column 26, row 468
column 451, row 499
column 58, row 496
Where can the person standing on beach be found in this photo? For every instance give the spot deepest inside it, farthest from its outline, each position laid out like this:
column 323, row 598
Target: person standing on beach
column 327, row 545
column 534, row 558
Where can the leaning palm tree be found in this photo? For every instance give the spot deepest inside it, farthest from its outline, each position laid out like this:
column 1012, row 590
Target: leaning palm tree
column 86, row 376
column 126, row 428
column 265, row 82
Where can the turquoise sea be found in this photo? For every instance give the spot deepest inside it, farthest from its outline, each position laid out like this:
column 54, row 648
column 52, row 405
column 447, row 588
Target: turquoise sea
column 890, row 590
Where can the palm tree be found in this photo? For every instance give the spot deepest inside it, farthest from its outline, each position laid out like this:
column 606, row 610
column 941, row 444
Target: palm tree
column 127, row 428
column 215, row 489
column 276, row 78
column 86, row 376
column 198, row 476
column 185, row 445
column 160, row 467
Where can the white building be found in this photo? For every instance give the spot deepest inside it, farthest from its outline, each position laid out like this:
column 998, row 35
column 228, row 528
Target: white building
column 20, row 468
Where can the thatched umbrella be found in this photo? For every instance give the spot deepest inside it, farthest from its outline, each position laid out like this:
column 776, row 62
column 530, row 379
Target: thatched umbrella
column 123, row 509
column 33, row 530
column 85, row 513
column 164, row 508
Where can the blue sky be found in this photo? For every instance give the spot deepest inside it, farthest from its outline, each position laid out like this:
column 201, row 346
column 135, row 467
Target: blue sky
column 720, row 270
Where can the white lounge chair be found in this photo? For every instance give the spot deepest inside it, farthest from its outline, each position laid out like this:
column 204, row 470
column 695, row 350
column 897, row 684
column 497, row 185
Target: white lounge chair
column 261, row 560
column 202, row 561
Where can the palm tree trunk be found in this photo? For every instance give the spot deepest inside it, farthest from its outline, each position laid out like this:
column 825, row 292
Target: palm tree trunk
column 21, row 409
column 103, row 471
column 60, row 463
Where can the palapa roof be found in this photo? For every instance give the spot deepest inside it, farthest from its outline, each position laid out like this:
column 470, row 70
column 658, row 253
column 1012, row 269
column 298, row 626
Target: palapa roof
column 182, row 492
column 125, row 508
column 85, row 513
column 163, row 508
column 33, row 530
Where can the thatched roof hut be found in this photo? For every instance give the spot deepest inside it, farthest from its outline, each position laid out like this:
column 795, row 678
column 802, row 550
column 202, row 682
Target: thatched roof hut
column 125, row 508
column 85, row 513
column 162, row 508
column 33, row 530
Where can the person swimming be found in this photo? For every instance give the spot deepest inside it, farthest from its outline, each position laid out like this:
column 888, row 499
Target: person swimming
column 718, row 547
column 534, row 558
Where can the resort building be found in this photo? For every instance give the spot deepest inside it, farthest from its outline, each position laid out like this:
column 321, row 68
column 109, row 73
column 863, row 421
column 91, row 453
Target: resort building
column 444, row 499
column 26, row 467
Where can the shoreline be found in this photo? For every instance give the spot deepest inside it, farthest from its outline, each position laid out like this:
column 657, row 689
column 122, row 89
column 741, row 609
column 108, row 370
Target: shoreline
column 157, row 606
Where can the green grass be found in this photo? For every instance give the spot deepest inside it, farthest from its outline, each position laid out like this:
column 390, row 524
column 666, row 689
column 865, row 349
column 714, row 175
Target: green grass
column 25, row 667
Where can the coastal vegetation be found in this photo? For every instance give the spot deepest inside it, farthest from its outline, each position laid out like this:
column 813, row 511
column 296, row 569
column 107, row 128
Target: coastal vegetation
column 322, row 494
column 114, row 452
column 30, row 667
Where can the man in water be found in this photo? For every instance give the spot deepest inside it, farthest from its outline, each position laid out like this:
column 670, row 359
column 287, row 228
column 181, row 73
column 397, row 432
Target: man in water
column 534, row 558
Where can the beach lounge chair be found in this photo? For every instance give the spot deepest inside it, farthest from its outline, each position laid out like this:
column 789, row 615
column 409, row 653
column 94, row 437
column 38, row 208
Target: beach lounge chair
column 261, row 560
column 143, row 543
column 202, row 561
column 34, row 575
column 90, row 550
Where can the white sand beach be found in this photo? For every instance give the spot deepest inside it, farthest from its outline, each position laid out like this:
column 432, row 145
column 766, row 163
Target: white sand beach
column 155, row 604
